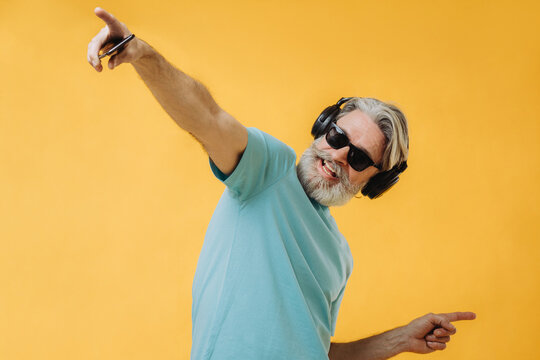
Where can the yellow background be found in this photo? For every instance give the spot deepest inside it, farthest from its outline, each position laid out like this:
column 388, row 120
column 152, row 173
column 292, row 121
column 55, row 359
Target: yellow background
column 105, row 200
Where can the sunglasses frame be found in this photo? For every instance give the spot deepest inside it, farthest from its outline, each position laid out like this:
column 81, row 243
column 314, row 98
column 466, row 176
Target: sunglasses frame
column 352, row 148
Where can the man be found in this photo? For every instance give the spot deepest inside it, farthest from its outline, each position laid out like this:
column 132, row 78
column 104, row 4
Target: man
column 273, row 267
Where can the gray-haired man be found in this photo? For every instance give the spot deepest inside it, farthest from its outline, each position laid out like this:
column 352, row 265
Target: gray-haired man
column 273, row 268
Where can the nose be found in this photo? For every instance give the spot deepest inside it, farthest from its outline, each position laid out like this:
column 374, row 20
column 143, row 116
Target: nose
column 340, row 155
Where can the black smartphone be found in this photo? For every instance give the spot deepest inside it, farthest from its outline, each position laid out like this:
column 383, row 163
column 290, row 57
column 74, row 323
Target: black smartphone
column 116, row 47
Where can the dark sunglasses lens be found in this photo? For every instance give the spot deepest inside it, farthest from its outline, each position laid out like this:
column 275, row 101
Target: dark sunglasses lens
column 358, row 159
column 336, row 139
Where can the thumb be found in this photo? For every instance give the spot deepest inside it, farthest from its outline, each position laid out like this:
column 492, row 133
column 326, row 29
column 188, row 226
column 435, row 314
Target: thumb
column 443, row 322
column 113, row 62
column 118, row 59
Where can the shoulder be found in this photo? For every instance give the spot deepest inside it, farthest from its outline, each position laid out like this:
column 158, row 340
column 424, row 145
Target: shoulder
column 266, row 143
column 264, row 161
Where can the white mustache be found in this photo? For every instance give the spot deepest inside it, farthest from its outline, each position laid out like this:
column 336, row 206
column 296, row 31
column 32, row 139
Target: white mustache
column 338, row 170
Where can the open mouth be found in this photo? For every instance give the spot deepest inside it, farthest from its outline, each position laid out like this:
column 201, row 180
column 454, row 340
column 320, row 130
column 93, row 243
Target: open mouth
column 328, row 169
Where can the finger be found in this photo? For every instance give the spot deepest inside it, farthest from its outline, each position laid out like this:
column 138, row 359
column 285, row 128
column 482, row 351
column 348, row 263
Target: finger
column 123, row 56
column 436, row 345
column 112, row 62
column 443, row 339
column 116, row 60
column 440, row 332
column 457, row 316
column 93, row 48
column 109, row 18
column 443, row 322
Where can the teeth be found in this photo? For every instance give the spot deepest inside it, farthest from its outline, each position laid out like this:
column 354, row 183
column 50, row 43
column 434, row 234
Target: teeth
column 328, row 169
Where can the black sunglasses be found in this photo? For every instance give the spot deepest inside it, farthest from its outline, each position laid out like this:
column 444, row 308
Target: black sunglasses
column 357, row 158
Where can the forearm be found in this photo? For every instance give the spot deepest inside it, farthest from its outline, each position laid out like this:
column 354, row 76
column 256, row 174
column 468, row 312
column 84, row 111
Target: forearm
column 185, row 99
column 377, row 347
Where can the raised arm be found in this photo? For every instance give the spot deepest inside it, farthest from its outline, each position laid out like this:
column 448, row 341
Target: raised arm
column 185, row 99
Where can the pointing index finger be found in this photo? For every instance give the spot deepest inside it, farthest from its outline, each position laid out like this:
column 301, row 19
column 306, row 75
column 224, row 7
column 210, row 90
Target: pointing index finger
column 457, row 316
column 105, row 16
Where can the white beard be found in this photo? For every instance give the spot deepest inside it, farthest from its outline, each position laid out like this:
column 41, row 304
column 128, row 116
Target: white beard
column 316, row 186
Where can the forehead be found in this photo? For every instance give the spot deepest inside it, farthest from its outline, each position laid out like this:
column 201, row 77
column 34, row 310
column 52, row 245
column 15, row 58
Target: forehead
column 363, row 133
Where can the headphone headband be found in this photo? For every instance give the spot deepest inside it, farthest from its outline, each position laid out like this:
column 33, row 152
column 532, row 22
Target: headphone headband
column 320, row 127
column 343, row 100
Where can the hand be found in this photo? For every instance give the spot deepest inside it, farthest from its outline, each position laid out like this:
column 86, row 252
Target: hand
column 114, row 30
column 432, row 331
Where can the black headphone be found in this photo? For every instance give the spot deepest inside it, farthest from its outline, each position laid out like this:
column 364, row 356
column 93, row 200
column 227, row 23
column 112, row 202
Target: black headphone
column 380, row 182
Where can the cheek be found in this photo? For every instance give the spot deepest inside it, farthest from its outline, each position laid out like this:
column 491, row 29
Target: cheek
column 322, row 145
column 359, row 178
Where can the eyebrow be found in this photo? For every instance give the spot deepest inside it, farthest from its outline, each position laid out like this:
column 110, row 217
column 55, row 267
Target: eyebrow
column 359, row 147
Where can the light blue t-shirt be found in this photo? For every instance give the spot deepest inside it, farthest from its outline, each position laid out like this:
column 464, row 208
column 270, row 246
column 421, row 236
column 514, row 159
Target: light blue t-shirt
column 273, row 267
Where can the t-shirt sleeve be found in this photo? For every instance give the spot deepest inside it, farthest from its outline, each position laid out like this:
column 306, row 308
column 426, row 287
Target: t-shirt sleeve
column 335, row 310
column 264, row 161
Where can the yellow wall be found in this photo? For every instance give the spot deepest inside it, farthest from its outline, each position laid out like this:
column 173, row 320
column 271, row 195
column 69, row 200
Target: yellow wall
column 104, row 200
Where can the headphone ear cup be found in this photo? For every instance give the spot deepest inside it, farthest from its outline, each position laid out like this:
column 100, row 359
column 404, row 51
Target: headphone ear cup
column 379, row 183
column 383, row 181
column 320, row 127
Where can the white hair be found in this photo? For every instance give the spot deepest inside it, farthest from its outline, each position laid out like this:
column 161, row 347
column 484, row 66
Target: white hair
column 392, row 123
